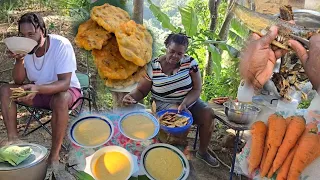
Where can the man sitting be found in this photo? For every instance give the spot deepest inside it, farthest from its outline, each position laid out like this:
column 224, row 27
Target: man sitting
column 51, row 67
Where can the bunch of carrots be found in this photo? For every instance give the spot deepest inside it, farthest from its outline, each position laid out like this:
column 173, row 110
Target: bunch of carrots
column 284, row 147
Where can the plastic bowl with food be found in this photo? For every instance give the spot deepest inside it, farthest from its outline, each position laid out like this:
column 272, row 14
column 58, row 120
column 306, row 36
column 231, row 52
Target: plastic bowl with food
column 20, row 45
column 241, row 113
column 139, row 125
column 91, row 131
column 175, row 129
column 164, row 161
column 112, row 163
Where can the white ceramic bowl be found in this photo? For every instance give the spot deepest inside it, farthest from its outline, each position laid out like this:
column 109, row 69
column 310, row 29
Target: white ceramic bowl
column 87, row 118
column 185, row 163
column 106, row 149
column 20, row 45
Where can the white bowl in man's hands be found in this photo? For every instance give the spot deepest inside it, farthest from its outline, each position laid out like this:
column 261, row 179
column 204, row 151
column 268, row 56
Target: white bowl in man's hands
column 20, row 45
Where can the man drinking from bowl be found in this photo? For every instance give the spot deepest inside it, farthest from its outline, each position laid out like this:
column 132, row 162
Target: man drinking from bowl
column 51, row 67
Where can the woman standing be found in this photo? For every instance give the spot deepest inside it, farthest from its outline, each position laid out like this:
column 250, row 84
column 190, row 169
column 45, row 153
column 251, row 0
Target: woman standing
column 175, row 83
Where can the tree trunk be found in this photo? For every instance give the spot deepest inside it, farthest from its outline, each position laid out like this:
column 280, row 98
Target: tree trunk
column 138, row 18
column 213, row 8
column 224, row 31
column 138, row 11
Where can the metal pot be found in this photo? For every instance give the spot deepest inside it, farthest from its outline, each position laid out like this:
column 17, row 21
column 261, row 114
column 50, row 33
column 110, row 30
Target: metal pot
column 241, row 113
column 33, row 168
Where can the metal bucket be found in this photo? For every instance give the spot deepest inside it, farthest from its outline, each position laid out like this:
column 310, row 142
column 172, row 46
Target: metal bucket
column 33, row 168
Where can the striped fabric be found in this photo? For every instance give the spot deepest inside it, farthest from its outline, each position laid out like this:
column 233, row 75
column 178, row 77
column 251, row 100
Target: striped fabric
column 171, row 88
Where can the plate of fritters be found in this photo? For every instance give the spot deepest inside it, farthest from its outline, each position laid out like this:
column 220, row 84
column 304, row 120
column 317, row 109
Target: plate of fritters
column 120, row 48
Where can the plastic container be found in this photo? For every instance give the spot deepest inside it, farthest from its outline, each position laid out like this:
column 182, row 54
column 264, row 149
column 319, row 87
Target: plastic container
column 245, row 92
column 176, row 130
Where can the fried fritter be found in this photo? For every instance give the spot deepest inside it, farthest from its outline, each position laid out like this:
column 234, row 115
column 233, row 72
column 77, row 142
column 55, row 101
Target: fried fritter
column 135, row 43
column 109, row 17
column 111, row 64
column 119, row 84
column 173, row 120
column 91, row 36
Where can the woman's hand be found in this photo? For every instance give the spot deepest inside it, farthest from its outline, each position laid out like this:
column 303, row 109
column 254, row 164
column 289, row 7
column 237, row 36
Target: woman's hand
column 128, row 100
column 311, row 60
column 258, row 59
column 182, row 107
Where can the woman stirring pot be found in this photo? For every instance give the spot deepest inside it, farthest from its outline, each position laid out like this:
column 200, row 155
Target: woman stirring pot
column 175, row 83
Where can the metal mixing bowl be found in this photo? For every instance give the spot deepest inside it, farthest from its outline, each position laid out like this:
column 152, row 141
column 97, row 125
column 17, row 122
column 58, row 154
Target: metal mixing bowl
column 241, row 113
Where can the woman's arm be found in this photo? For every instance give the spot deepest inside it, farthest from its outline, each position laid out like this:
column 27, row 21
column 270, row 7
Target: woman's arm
column 194, row 94
column 142, row 90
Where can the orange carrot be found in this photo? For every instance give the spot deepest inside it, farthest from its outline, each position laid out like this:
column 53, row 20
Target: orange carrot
column 288, row 120
column 307, row 151
column 295, row 129
column 284, row 169
column 258, row 132
column 265, row 151
column 276, row 131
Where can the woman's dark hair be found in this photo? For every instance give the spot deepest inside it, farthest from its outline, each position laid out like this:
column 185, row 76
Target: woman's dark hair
column 179, row 38
column 34, row 19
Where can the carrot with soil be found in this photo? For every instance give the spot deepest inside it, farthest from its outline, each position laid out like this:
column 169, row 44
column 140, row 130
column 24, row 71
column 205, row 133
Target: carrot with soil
column 258, row 132
column 294, row 130
column 276, row 131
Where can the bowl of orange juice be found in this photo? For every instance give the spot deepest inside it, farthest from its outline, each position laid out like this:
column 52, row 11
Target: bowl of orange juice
column 91, row 131
column 112, row 163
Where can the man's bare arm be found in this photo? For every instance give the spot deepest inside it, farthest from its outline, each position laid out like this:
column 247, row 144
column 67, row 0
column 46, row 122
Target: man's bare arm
column 19, row 72
column 61, row 85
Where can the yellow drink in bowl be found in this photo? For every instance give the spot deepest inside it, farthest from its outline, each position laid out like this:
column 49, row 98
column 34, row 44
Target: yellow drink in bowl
column 112, row 166
column 112, row 163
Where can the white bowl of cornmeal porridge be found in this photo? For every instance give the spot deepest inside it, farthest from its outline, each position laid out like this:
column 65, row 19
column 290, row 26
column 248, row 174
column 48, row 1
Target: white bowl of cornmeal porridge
column 91, row 131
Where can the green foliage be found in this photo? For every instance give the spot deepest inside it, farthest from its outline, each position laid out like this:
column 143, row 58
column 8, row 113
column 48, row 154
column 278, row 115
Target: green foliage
column 304, row 104
column 202, row 10
column 81, row 175
column 189, row 20
column 6, row 9
column 226, row 85
column 216, row 58
column 162, row 17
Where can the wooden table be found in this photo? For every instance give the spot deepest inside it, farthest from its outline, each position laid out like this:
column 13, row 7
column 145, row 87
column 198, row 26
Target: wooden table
column 220, row 115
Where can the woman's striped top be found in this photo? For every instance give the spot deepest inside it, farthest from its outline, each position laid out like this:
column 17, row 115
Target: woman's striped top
column 171, row 88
